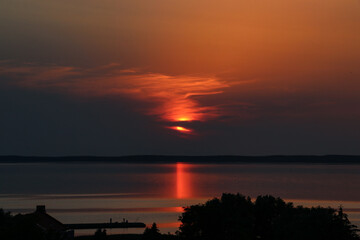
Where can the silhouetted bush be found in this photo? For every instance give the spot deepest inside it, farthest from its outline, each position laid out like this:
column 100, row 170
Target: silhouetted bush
column 100, row 234
column 152, row 233
column 267, row 218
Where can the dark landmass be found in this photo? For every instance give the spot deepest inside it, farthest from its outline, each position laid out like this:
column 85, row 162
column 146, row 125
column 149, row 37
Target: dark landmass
column 114, row 237
column 126, row 237
column 324, row 159
column 105, row 225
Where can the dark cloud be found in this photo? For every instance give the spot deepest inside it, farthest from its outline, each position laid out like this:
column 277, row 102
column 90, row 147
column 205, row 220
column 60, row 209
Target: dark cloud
column 55, row 110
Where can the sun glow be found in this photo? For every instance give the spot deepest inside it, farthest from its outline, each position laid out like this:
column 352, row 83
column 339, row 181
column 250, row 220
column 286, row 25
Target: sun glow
column 184, row 119
column 181, row 129
column 172, row 99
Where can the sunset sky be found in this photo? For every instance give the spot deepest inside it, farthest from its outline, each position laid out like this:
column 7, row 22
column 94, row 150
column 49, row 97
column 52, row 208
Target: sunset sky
column 199, row 77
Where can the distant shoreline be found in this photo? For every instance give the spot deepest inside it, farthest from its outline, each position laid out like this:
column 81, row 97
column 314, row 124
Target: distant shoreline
column 274, row 159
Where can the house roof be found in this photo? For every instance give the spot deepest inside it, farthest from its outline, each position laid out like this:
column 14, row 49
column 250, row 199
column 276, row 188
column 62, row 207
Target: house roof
column 46, row 222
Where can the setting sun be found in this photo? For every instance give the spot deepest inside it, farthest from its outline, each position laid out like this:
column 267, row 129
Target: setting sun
column 181, row 129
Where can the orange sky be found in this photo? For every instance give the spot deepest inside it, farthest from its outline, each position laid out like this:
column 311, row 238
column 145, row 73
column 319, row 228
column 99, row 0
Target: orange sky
column 185, row 62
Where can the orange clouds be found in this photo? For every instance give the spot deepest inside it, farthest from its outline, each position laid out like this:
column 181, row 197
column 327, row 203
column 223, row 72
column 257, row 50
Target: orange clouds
column 173, row 98
column 175, row 95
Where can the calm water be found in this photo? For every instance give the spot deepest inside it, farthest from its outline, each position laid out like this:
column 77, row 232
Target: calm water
column 83, row 192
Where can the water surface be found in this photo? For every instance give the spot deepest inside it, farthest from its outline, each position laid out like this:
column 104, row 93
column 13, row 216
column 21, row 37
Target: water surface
column 94, row 192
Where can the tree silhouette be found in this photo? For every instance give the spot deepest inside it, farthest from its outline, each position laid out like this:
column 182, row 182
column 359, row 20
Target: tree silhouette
column 268, row 218
column 6, row 225
column 100, row 234
column 152, row 233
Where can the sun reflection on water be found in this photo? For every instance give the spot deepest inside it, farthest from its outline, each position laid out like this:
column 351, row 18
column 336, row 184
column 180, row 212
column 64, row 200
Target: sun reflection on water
column 183, row 181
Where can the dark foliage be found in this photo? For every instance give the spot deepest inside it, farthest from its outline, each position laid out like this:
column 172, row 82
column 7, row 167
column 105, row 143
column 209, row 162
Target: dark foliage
column 22, row 227
column 100, row 234
column 152, row 233
column 267, row 218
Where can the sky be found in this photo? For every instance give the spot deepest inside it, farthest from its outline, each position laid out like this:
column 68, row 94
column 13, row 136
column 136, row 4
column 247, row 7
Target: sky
column 204, row 77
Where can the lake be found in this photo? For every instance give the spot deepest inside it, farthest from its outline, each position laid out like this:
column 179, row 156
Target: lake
column 95, row 192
